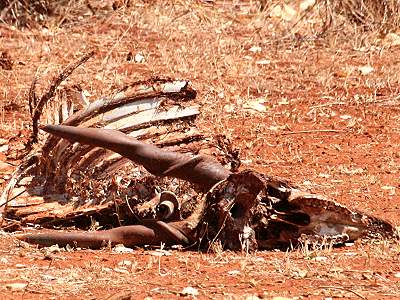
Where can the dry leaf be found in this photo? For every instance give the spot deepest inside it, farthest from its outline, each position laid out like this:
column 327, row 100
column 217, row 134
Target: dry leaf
column 16, row 286
column 284, row 12
column 263, row 62
column 391, row 39
column 121, row 270
column 189, row 291
column 365, row 70
column 306, row 4
column 256, row 105
column 234, row 272
column 255, row 49
column 125, row 263
column 160, row 253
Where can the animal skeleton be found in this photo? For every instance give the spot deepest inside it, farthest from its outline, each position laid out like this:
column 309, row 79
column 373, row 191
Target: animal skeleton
column 82, row 178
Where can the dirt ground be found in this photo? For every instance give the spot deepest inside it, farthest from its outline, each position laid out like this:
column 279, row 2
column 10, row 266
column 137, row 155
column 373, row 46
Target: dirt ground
column 321, row 110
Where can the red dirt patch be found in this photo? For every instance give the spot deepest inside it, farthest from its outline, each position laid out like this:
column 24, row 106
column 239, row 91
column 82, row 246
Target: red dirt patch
column 327, row 127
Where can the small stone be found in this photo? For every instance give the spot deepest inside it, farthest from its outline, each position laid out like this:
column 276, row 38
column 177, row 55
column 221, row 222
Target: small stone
column 306, row 4
column 189, row 291
column 52, row 249
column 259, row 260
column 365, row 70
column 47, row 277
column 256, row 105
column 139, row 58
column 160, row 252
column 234, row 272
column 18, row 286
column 263, row 62
column 4, row 260
column 126, row 263
column 320, row 258
column 4, row 148
column 323, row 175
column 122, row 249
column 105, row 269
column 229, row 108
column 301, row 274
column 255, row 49
column 252, row 297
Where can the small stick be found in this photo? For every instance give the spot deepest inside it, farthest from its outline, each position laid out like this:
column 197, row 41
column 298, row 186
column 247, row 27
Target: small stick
column 313, row 131
column 343, row 289
column 130, row 209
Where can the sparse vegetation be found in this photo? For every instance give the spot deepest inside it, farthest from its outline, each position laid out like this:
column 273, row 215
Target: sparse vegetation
column 307, row 90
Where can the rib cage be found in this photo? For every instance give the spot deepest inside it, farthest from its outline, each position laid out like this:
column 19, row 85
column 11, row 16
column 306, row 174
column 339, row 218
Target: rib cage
column 69, row 180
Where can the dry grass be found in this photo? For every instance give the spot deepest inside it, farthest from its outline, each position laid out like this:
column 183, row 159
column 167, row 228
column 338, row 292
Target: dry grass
column 297, row 274
column 329, row 84
column 370, row 14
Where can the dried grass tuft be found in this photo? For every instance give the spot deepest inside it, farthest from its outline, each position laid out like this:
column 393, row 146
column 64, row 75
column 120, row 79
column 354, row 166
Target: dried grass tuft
column 36, row 13
column 370, row 15
column 25, row 13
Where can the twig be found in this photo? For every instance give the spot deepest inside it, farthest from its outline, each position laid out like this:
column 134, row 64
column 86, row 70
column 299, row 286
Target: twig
column 328, row 104
column 305, row 13
column 37, row 110
column 313, row 131
column 130, row 209
column 6, row 10
column 343, row 289
column 32, row 100
column 117, row 212
column 105, row 60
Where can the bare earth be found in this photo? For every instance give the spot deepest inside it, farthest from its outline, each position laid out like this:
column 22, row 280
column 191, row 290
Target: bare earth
column 322, row 112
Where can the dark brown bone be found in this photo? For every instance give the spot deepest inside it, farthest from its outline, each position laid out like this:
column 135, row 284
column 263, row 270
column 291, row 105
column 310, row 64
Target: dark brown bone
column 149, row 233
column 201, row 170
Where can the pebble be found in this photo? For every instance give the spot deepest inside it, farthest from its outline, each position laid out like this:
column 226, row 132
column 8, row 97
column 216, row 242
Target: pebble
column 16, row 286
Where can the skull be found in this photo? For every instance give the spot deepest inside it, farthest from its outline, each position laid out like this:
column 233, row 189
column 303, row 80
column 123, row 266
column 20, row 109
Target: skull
column 228, row 213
